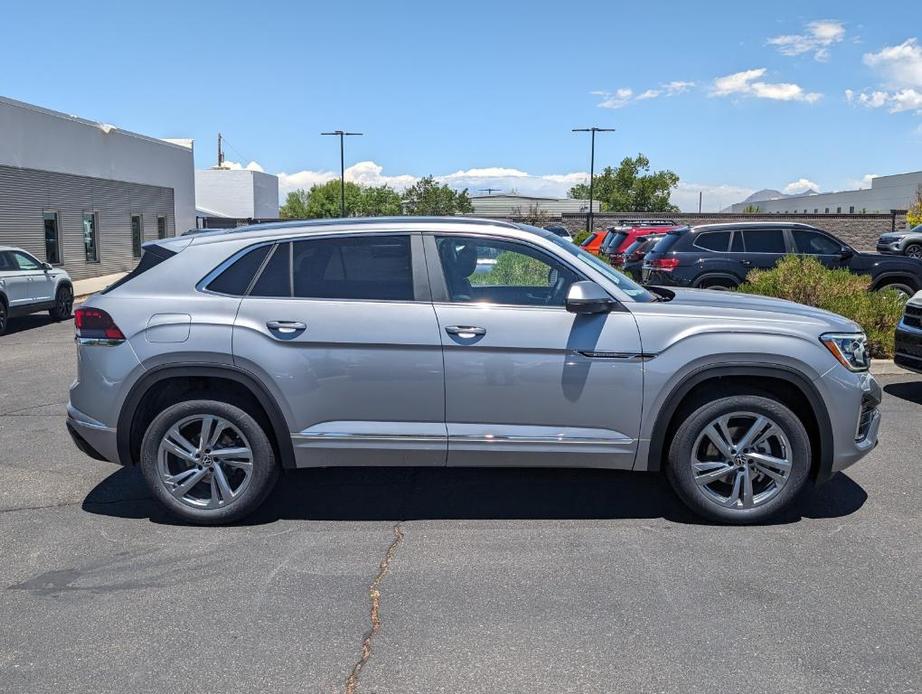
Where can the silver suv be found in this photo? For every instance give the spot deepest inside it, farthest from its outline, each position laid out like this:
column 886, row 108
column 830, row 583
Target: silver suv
column 230, row 355
column 28, row 285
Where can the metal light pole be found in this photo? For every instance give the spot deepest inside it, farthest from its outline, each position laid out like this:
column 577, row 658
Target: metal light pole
column 342, row 169
column 592, row 130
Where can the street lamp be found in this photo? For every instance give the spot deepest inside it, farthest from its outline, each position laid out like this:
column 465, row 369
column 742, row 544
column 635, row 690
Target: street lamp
column 592, row 130
column 342, row 169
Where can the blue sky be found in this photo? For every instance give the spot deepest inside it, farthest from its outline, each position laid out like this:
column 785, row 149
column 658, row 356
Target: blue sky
column 732, row 96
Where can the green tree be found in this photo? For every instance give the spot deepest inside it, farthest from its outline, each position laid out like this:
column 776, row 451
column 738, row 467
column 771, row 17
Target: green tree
column 295, row 206
column 426, row 197
column 632, row 187
column 752, row 209
column 323, row 200
column 914, row 213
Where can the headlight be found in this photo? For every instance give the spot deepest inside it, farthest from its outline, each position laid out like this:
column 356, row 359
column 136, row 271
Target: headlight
column 850, row 349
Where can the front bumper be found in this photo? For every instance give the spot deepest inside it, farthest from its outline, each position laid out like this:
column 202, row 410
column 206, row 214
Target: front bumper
column 890, row 248
column 908, row 347
column 93, row 438
column 854, row 416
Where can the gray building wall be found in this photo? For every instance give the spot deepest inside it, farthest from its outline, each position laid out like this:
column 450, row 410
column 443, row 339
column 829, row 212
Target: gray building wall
column 509, row 205
column 25, row 194
column 886, row 193
column 237, row 193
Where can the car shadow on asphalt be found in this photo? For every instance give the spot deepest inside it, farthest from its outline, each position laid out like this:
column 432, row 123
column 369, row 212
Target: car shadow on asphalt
column 393, row 494
column 910, row 391
column 30, row 322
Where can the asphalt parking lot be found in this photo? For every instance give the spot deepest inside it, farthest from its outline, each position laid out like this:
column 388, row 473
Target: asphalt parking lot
column 498, row 580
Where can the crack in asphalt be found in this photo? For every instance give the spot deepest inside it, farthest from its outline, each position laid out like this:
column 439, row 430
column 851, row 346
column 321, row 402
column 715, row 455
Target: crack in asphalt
column 374, row 595
column 74, row 503
column 20, row 410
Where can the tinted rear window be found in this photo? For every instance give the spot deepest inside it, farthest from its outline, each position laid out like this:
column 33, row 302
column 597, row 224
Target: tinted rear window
column 614, row 239
column 714, row 241
column 151, row 256
column 764, row 240
column 665, row 244
column 367, row 267
column 275, row 279
column 237, row 277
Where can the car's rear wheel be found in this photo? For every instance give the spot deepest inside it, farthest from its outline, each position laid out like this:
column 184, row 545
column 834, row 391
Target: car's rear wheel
column 739, row 459
column 4, row 316
column 901, row 288
column 719, row 284
column 63, row 304
column 914, row 250
column 208, row 462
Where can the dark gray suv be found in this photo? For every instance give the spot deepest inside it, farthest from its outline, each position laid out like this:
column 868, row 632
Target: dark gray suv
column 227, row 357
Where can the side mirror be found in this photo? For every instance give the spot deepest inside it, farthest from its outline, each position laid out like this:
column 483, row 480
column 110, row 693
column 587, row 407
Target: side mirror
column 47, row 266
column 587, row 298
column 846, row 253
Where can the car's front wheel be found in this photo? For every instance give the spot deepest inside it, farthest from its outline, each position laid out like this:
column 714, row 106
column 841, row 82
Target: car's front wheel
column 914, row 250
column 208, row 462
column 63, row 304
column 739, row 459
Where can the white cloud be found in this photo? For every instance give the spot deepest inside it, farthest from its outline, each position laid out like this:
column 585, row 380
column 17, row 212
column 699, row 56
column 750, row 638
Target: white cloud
column 895, row 102
column 860, row 183
column 900, row 65
column 747, row 83
column 625, row 95
column 366, row 173
column 800, row 186
column 252, row 166
column 817, row 38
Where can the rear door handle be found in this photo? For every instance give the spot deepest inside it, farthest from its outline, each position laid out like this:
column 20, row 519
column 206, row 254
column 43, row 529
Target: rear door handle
column 286, row 327
column 465, row 332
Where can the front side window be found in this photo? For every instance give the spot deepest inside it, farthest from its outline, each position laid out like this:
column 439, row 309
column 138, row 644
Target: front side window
column 502, row 272
column 26, row 262
column 90, row 242
column 373, row 268
column 764, row 240
column 814, row 243
column 137, row 234
column 52, row 238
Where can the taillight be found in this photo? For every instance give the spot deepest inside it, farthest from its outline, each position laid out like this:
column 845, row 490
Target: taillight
column 93, row 326
column 665, row 264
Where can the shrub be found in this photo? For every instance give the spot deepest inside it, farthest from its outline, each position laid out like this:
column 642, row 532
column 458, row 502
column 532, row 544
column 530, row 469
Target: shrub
column 580, row 236
column 807, row 281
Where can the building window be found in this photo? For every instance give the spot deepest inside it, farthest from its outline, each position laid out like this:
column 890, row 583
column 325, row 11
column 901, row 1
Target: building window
column 838, row 210
column 851, row 210
column 161, row 227
column 90, row 241
column 827, row 211
column 52, row 238
column 137, row 234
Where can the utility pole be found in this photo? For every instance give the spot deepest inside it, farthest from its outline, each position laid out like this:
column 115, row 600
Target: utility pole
column 220, row 153
column 592, row 130
column 342, row 168
column 700, row 196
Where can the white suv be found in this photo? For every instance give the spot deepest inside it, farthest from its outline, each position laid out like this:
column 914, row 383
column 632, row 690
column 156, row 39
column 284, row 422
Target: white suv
column 28, row 285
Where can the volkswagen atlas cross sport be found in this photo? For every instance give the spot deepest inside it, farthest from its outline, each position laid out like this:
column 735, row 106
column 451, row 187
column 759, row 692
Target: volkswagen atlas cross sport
column 228, row 356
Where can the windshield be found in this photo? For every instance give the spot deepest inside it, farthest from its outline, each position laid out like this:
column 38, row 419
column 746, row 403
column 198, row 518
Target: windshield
column 628, row 286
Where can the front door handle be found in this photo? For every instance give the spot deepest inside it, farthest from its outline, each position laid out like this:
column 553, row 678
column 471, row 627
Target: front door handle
column 286, row 327
column 465, row 332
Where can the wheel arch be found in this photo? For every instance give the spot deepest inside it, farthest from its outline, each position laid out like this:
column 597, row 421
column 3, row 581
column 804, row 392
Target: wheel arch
column 706, row 276
column 885, row 278
column 128, row 435
column 777, row 380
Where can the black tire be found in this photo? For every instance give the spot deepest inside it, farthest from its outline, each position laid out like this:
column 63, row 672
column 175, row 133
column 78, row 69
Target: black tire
column 680, row 472
column 914, row 250
column 901, row 287
column 722, row 285
column 63, row 304
column 4, row 316
column 262, row 476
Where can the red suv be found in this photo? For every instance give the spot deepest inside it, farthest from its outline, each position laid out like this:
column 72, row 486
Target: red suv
column 619, row 238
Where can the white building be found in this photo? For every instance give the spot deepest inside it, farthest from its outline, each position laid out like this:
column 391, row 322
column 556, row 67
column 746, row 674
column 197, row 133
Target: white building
column 886, row 193
column 236, row 193
column 505, row 205
column 86, row 195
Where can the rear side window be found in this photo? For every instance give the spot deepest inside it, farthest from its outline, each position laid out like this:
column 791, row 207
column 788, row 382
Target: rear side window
column 237, row 277
column 275, row 279
column 151, row 256
column 366, row 267
column 714, row 241
column 764, row 240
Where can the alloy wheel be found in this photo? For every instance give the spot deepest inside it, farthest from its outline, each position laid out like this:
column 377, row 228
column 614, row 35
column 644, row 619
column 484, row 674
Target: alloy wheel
column 2, row 317
column 205, row 461
column 65, row 303
column 741, row 460
column 914, row 251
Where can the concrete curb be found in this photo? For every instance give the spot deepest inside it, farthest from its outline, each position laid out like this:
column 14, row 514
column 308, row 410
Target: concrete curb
column 885, row 367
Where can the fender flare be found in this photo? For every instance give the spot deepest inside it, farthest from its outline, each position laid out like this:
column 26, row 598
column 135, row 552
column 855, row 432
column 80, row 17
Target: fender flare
column 790, row 375
column 249, row 381
column 717, row 275
column 904, row 275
